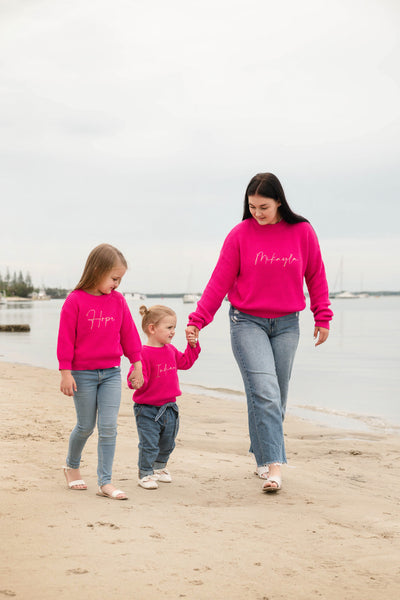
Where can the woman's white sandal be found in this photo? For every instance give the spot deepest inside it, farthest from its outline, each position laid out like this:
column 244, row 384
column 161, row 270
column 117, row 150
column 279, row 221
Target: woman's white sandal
column 262, row 472
column 72, row 484
column 273, row 479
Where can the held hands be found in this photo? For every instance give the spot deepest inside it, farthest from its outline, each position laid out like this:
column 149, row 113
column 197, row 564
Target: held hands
column 192, row 334
column 320, row 335
column 136, row 377
column 67, row 385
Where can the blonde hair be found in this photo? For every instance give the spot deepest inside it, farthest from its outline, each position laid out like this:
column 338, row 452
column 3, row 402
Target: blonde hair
column 154, row 314
column 100, row 261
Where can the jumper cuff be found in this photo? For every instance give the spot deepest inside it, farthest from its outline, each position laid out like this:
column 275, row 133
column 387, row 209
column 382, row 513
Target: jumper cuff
column 324, row 324
column 65, row 366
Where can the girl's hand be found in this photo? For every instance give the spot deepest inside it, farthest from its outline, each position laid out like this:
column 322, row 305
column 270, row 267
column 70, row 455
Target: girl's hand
column 320, row 335
column 192, row 334
column 67, row 385
column 136, row 377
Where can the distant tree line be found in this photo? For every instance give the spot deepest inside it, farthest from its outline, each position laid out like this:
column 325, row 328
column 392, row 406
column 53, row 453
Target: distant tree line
column 16, row 285
column 22, row 287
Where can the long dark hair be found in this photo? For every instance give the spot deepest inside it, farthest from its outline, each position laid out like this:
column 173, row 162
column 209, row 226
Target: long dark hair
column 269, row 186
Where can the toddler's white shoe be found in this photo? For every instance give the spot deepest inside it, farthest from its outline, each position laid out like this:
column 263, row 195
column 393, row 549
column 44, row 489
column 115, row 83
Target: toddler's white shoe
column 148, row 482
column 163, row 475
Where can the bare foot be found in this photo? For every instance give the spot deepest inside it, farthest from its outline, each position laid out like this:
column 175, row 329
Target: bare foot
column 74, row 475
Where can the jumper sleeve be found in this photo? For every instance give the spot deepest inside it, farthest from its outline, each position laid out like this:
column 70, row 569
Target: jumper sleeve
column 316, row 283
column 221, row 281
column 130, row 340
column 67, row 333
column 186, row 359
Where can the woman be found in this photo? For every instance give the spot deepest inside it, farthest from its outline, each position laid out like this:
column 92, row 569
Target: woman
column 262, row 266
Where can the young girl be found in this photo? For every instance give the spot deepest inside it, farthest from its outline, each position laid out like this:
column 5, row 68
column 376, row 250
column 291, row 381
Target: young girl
column 96, row 328
column 155, row 408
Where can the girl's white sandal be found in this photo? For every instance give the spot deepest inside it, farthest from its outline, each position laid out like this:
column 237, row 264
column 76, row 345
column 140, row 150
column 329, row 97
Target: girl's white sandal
column 72, row 484
column 114, row 495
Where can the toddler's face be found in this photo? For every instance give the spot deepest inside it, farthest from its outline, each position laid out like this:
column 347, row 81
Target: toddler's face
column 164, row 331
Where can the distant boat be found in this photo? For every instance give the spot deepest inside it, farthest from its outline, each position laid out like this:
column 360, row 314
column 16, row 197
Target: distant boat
column 134, row 296
column 40, row 295
column 190, row 298
column 345, row 295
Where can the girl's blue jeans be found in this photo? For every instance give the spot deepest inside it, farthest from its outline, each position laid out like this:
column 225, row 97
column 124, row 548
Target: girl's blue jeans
column 264, row 350
column 98, row 396
column 157, row 428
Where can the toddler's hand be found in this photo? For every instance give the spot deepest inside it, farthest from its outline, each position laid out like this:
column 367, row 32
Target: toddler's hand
column 135, row 384
column 135, row 379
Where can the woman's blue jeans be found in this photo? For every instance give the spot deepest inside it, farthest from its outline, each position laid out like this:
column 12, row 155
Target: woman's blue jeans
column 157, row 428
column 98, row 395
column 264, row 350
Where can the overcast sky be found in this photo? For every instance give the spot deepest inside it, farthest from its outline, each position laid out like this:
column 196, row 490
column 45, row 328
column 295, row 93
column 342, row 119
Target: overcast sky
column 140, row 124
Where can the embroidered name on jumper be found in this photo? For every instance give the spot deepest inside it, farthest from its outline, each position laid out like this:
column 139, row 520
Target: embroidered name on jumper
column 164, row 369
column 98, row 321
column 265, row 259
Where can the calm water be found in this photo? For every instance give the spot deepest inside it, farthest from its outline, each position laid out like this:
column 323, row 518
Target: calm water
column 352, row 380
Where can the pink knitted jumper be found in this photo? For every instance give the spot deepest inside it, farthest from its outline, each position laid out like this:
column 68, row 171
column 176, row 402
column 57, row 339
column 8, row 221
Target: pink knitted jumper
column 160, row 365
column 262, row 269
column 95, row 331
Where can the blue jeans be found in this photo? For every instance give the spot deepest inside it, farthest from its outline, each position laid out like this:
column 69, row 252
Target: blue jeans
column 264, row 350
column 98, row 395
column 157, row 428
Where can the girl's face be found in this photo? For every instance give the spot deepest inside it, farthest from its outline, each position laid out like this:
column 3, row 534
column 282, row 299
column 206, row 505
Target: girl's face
column 264, row 210
column 163, row 332
column 109, row 282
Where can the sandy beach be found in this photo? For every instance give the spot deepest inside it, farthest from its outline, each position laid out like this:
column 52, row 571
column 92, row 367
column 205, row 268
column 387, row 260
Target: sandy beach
column 332, row 532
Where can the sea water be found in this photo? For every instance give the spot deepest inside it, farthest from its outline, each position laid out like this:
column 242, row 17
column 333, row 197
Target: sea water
column 353, row 380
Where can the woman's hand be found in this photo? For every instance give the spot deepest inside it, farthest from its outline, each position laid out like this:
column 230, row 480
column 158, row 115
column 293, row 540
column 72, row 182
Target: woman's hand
column 67, row 385
column 320, row 335
column 192, row 334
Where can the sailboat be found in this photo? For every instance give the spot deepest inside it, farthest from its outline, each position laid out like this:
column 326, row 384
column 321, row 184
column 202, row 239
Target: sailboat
column 190, row 297
column 344, row 294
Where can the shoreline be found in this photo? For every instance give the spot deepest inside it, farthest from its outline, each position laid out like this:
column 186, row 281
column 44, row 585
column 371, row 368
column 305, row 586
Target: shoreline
column 332, row 531
column 321, row 416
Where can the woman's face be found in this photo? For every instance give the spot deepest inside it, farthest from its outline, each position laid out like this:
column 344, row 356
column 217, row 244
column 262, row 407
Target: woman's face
column 264, row 210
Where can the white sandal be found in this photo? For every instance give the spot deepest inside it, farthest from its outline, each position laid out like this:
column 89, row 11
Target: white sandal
column 273, row 479
column 72, row 484
column 149, row 482
column 262, row 472
column 114, row 495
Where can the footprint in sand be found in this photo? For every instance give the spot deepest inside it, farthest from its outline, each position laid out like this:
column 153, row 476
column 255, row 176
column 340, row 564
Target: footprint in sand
column 76, row 571
column 103, row 524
